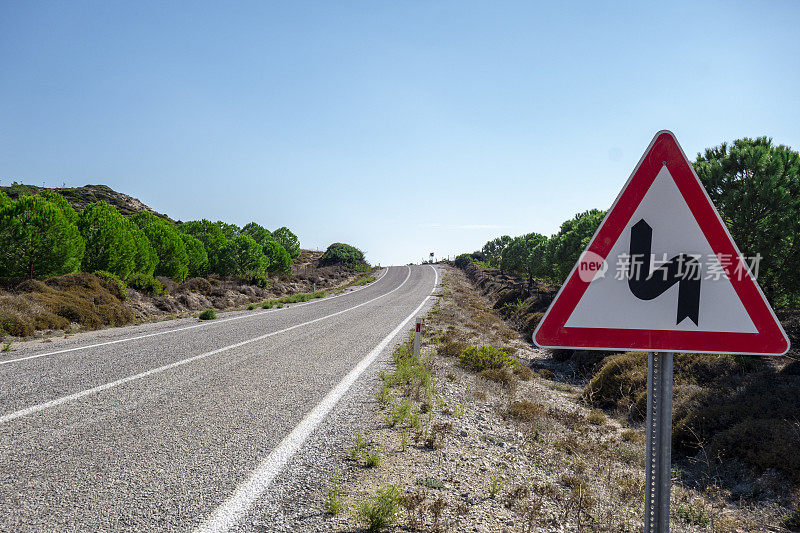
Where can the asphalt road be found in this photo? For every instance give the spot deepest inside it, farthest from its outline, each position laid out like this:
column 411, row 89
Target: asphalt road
column 182, row 425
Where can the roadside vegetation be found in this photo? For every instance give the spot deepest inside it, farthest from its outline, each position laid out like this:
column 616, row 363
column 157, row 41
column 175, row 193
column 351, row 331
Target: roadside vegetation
column 113, row 261
column 471, row 442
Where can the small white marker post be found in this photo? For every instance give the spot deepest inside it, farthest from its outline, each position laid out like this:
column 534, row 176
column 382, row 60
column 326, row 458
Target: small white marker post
column 658, row 470
column 417, row 335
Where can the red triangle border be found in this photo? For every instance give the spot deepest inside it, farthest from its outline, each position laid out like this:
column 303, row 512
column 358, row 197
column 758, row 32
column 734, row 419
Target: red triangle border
column 770, row 338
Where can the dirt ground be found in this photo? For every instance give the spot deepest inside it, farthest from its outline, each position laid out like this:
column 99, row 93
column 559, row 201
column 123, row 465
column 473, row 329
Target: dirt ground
column 515, row 449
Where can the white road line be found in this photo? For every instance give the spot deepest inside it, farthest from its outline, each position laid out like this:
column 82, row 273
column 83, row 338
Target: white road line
column 214, row 323
column 236, row 507
column 106, row 386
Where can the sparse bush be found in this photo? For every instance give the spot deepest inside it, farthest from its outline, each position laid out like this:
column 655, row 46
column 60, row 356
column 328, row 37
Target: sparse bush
column 379, row 512
column 620, row 377
column 430, row 482
column 523, row 372
column 545, row 373
column 451, row 348
column 360, row 444
column 200, row 285
column 269, row 304
column 792, row 520
column 692, row 514
column 85, row 299
column 495, row 486
column 334, row 504
column 362, row 280
column 251, row 307
column 734, row 406
column 477, row 358
column 524, row 411
column 208, row 314
column 630, row 435
column 498, row 375
column 146, row 284
column 372, row 459
column 596, row 417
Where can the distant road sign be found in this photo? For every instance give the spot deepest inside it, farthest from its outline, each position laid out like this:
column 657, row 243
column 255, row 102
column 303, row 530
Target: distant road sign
column 662, row 273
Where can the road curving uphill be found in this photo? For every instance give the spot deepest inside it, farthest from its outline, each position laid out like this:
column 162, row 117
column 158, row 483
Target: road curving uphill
column 179, row 427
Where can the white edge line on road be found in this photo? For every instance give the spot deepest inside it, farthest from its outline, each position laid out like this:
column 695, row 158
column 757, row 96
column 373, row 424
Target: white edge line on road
column 64, row 399
column 214, row 323
column 236, row 507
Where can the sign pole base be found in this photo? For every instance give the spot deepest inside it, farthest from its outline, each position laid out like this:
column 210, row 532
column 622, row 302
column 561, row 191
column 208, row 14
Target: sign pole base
column 659, row 442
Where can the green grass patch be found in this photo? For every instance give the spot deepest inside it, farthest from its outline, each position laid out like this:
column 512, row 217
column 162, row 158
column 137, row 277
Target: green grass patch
column 477, row 358
column 208, row 314
column 378, row 512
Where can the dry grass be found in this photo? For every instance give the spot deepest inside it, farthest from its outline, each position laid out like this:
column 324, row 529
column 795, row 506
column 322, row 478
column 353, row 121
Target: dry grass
column 85, row 299
column 549, row 461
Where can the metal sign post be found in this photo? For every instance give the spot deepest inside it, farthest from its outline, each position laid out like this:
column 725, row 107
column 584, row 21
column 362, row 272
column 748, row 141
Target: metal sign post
column 659, row 442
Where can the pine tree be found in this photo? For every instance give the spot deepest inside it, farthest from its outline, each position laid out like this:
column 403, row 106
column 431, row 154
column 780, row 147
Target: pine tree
column 39, row 240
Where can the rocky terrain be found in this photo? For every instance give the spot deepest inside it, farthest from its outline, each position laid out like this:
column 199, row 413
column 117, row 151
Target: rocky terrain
column 513, row 448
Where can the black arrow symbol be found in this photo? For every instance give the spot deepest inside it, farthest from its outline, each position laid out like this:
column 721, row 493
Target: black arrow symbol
column 683, row 269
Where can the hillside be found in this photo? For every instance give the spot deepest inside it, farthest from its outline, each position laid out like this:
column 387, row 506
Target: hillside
column 80, row 197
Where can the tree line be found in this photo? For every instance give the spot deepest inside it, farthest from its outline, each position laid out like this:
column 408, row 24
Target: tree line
column 42, row 235
column 755, row 186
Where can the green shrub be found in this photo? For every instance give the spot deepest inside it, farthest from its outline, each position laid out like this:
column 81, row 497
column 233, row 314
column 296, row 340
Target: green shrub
column 342, row 254
column 208, row 314
column 269, row 304
column 114, row 280
column 372, row 459
column 463, row 260
column 477, row 358
column 362, row 280
column 146, row 284
column 693, row 515
column 379, row 512
column 251, row 307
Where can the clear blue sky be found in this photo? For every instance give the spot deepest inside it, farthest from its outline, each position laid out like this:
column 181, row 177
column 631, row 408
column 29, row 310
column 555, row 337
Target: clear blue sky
column 400, row 127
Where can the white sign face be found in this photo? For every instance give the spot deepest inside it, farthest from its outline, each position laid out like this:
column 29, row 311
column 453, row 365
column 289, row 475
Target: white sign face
column 662, row 274
column 609, row 302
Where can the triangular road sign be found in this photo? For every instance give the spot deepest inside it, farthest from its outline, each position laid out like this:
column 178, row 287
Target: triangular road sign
column 662, row 274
